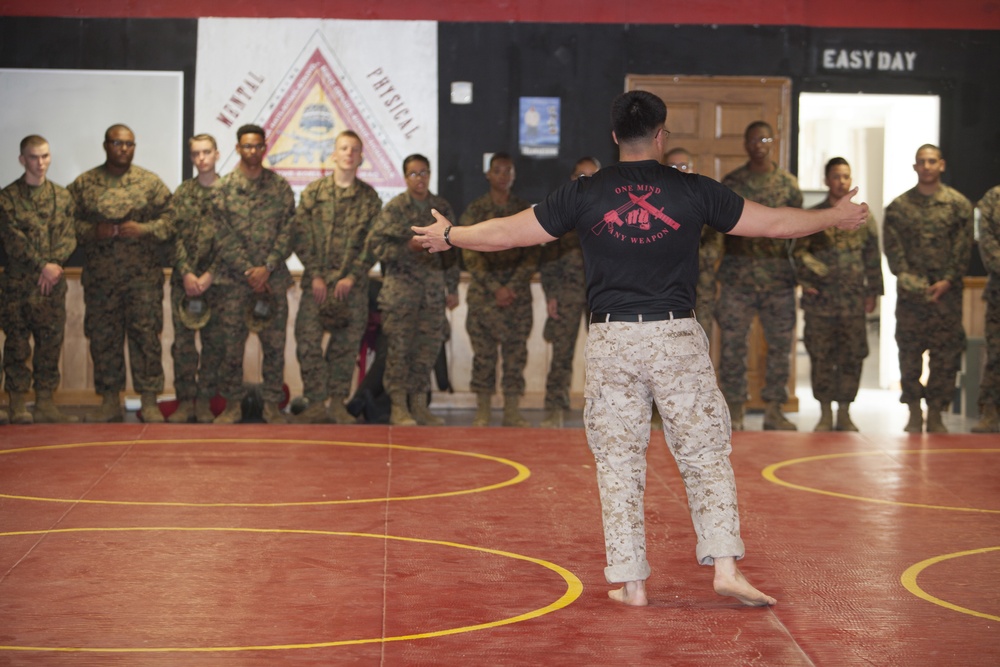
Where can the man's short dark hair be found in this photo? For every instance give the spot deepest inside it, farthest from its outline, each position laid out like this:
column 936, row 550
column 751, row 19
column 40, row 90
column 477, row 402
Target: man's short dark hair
column 250, row 129
column 117, row 126
column 500, row 156
column 757, row 124
column 931, row 147
column 637, row 114
column 415, row 156
column 835, row 162
column 31, row 141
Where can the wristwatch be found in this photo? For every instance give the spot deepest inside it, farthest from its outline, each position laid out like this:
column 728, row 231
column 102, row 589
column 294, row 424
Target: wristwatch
column 270, row 267
column 447, row 235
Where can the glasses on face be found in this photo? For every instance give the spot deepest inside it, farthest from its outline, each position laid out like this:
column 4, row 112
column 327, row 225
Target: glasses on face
column 423, row 173
column 762, row 140
column 252, row 148
column 681, row 166
column 118, row 143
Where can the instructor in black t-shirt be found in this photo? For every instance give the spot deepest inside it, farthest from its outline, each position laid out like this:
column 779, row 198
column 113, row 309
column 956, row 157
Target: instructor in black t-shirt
column 640, row 224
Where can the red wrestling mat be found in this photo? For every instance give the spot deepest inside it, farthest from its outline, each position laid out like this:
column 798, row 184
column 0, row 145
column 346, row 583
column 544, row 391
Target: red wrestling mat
column 260, row 545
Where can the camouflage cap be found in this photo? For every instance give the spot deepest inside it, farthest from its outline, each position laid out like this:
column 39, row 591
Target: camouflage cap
column 334, row 313
column 193, row 312
column 260, row 312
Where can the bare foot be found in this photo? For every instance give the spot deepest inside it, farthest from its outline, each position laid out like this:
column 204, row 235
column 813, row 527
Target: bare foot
column 633, row 593
column 730, row 582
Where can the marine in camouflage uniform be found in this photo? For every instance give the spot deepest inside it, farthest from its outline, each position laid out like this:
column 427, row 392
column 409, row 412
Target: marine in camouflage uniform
column 841, row 276
column 758, row 278
column 989, row 249
column 123, row 219
column 928, row 234
column 252, row 209
column 417, row 287
column 565, row 286
column 196, row 376
column 331, row 225
column 37, row 229
column 499, row 300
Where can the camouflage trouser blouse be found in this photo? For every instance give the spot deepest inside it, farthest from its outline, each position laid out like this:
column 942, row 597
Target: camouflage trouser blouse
column 628, row 365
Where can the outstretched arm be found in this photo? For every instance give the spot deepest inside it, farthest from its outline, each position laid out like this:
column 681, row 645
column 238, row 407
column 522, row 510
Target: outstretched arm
column 515, row 231
column 793, row 223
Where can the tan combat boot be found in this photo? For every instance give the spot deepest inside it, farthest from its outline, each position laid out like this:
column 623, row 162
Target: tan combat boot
column 19, row 408
column 183, row 413
column 736, row 415
column 46, row 411
column 989, row 421
column 315, row 413
column 203, row 411
column 934, row 423
column 844, row 422
column 775, row 420
column 511, row 414
column 339, row 413
column 109, row 411
column 232, row 414
column 149, row 410
column 271, row 414
column 420, row 411
column 916, row 423
column 554, row 418
column 482, row 417
column 825, row 422
column 399, row 414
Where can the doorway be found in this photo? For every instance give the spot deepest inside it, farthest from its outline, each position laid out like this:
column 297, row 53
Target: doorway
column 878, row 135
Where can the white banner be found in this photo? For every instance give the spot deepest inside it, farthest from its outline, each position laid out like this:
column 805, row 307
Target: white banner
column 306, row 80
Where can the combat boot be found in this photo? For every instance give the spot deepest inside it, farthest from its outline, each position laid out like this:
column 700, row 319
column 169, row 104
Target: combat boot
column 399, row 414
column 315, row 413
column 149, row 410
column 736, row 415
column 18, row 408
column 183, row 413
column 271, row 414
column 988, row 420
column 511, row 414
column 232, row 414
column 844, row 422
column 420, row 411
column 482, row 417
column 339, row 413
column 916, row 423
column 934, row 423
column 110, row 410
column 203, row 411
column 553, row 418
column 825, row 422
column 46, row 411
column 775, row 420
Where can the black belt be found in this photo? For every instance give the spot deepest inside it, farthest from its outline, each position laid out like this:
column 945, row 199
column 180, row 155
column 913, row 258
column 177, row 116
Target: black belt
column 596, row 318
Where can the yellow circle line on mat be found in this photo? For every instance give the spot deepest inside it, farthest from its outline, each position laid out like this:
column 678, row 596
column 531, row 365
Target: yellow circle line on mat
column 523, row 473
column 574, row 587
column 909, row 580
column 770, row 473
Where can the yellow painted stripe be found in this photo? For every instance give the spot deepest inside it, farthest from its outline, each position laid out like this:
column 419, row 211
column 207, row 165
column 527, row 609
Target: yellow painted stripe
column 521, row 473
column 574, row 588
column 909, row 580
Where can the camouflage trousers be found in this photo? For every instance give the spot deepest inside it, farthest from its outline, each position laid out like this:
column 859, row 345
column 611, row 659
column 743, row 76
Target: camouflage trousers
column 735, row 312
column 118, row 310
column 196, row 374
column 415, row 329
column 628, row 366
column 229, row 312
column 507, row 329
column 837, row 347
column 329, row 373
column 28, row 314
column 562, row 333
column 989, row 387
column 937, row 329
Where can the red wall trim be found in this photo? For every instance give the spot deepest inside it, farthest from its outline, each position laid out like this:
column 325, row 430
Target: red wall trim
column 914, row 14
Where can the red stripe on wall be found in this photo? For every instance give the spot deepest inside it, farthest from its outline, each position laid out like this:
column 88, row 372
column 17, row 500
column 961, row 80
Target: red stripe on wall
column 914, row 14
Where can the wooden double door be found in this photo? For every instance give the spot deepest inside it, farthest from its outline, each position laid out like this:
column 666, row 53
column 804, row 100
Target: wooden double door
column 707, row 117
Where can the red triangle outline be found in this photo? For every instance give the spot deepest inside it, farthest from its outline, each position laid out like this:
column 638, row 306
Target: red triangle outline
column 377, row 169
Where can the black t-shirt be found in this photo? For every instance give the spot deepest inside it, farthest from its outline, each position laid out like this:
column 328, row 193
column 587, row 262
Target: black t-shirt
column 640, row 225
